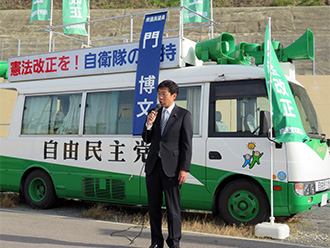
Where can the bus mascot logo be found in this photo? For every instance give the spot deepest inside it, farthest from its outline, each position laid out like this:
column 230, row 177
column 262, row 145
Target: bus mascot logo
column 251, row 160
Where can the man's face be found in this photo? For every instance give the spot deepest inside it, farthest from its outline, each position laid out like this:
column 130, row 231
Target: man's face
column 165, row 98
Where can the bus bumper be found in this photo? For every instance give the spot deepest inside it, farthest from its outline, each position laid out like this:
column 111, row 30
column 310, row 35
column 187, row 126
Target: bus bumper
column 298, row 204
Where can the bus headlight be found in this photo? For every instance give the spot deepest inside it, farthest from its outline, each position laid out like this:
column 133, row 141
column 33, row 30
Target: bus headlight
column 304, row 189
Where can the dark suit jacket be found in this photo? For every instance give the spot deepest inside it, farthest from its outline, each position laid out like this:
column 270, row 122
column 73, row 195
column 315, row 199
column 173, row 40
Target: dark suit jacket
column 175, row 145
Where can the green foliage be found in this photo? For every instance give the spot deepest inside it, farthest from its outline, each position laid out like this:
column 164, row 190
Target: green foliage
column 241, row 3
column 310, row 3
column 283, row 2
column 221, row 3
column 163, row 4
column 299, row 2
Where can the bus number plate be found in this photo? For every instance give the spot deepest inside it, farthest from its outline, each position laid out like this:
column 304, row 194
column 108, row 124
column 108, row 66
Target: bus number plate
column 322, row 185
column 324, row 200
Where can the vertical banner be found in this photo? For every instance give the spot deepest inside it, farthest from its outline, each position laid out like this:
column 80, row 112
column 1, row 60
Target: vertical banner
column 75, row 11
column 40, row 10
column 286, row 119
column 147, row 69
column 202, row 7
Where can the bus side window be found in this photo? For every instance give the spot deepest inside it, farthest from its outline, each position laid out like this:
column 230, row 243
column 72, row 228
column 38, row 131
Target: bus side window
column 125, row 117
column 190, row 98
column 220, row 126
column 109, row 112
column 52, row 114
column 225, row 116
column 235, row 108
column 63, row 104
column 69, row 110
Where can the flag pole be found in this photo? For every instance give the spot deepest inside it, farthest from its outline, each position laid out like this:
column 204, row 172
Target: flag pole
column 271, row 229
column 50, row 26
column 89, row 26
column 212, row 24
column 272, row 219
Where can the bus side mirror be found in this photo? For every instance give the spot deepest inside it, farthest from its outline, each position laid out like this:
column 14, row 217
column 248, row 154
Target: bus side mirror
column 264, row 122
column 328, row 142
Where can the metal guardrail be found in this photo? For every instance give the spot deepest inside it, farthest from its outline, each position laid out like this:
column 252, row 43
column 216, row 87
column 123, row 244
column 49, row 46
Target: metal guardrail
column 126, row 37
column 89, row 40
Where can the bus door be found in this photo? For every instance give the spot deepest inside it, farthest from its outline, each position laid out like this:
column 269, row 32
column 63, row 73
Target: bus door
column 236, row 144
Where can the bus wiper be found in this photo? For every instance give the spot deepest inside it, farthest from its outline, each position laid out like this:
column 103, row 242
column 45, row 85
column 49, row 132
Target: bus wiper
column 323, row 139
column 314, row 133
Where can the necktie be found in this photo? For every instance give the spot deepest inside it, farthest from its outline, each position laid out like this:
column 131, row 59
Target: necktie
column 164, row 121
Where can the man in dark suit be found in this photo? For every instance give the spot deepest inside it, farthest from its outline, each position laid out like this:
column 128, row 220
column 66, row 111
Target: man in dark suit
column 170, row 133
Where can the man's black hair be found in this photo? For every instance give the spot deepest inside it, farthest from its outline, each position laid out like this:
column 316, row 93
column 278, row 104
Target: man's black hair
column 171, row 85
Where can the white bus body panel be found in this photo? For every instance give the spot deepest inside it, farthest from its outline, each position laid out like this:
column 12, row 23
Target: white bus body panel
column 304, row 164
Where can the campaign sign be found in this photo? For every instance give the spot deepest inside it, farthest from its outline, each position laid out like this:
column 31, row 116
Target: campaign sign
column 147, row 69
column 89, row 61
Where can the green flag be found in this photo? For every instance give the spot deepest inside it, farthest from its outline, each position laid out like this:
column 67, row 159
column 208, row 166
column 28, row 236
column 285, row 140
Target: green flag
column 200, row 6
column 40, row 10
column 75, row 11
column 286, row 119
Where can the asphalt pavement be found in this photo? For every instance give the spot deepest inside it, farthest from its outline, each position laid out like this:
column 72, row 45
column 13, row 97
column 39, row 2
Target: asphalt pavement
column 33, row 229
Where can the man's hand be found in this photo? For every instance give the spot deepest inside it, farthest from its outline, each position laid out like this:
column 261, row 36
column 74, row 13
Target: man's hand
column 182, row 176
column 151, row 117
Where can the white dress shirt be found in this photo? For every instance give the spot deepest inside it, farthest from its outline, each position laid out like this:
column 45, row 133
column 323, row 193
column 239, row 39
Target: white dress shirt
column 169, row 110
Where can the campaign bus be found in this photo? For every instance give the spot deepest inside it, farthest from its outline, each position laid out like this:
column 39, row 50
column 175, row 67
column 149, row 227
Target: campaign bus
column 71, row 135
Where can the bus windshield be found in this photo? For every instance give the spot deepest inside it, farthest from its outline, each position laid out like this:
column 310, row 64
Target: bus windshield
column 306, row 110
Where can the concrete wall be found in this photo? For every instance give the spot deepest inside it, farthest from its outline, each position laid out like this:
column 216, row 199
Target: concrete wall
column 246, row 24
column 318, row 88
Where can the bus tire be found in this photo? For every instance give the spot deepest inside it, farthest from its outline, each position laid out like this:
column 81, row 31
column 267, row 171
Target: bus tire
column 39, row 190
column 243, row 202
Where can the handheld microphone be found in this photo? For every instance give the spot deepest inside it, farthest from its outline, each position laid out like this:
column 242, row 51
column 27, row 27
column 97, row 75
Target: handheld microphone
column 158, row 106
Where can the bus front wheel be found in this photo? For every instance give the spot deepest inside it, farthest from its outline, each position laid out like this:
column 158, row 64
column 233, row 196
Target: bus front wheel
column 39, row 190
column 242, row 201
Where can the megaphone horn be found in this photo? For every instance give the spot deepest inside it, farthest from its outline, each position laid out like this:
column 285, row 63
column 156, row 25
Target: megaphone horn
column 303, row 48
column 4, row 69
column 218, row 49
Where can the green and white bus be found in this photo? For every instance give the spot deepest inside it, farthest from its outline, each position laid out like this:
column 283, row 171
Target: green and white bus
column 70, row 135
